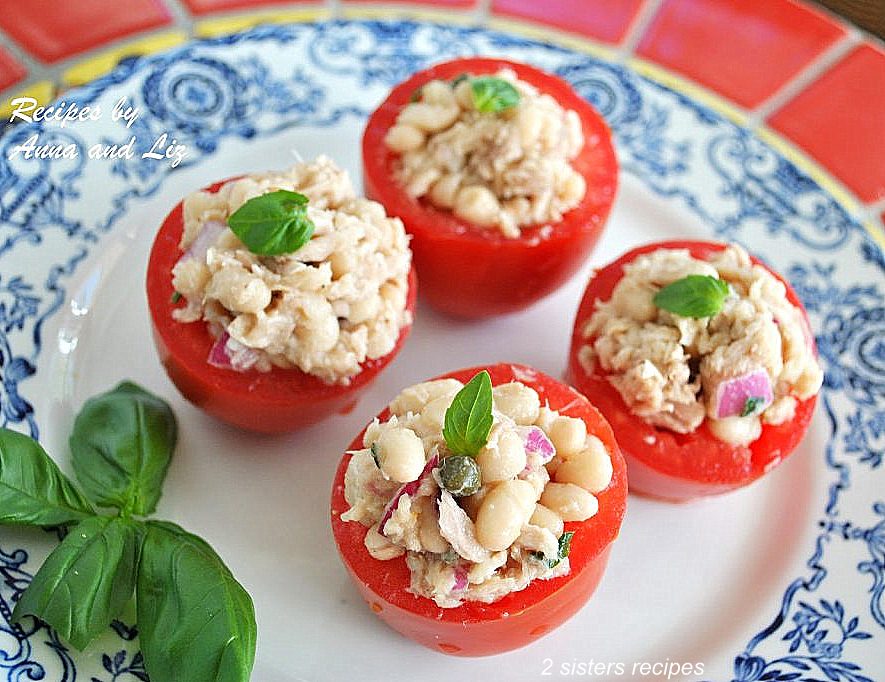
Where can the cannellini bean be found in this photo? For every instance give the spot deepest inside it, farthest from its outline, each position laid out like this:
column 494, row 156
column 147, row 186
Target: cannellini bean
column 403, row 137
column 434, row 413
column 547, row 518
column 591, row 468
column 414, row 398
column 568, row 435
column 634, row 299
column 503, row 513
column 529, row 123
column 736, row 430
column 428, row 117
column 518, row 401
column 364, row 309
column 570, row 501
column 444, row 191
column 503, row 461
column 239, row 291
column 428, row 526
column 478, row 205
column 400, row 454
column 464, row 94
column 380, row 547
column 437, row 92
column 572, row 189
column 342, row 262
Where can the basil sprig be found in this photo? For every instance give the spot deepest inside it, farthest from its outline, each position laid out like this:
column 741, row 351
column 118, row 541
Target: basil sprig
column 33, row 491
column 492, row 95
column 273, row 224
column 468, row 420
column 196, row 621
column 122, row 444
column 693, row 296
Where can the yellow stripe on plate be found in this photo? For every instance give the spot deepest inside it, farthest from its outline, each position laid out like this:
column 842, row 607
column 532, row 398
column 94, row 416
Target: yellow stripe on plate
column 222, row 26
column 93, row 67
column 454, row 15
column 548, row 34
column 42, row 91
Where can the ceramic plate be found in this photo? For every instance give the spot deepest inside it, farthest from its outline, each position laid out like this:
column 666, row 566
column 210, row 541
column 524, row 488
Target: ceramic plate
column 780, row 581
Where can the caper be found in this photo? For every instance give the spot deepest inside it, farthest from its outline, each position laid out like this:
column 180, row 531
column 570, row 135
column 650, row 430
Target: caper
column 459, row 474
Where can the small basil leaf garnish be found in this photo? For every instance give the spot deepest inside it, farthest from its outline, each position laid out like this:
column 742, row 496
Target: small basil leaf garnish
column 195, row 621
column 33, row 491
column 468, row 420
column 122, row 444
column 693, row 296
column 751, row 405
column 86, row 581
column 492, row 95
column 273, row 224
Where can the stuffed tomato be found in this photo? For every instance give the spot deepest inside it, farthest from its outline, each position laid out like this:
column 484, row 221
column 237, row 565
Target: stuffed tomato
column 276, row 298
column 503, row 175
column 476, row 513
column 702, row 360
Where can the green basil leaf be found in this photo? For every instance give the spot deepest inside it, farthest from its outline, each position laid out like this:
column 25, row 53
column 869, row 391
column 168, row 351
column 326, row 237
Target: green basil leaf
column 33, row 490
column 693, row 296
column 87, row 580
column 565, row 546
column 273, row 224
column 469, row 418
column 122, row 444
column 491, row 95
column 751, row 405
column 195, row 620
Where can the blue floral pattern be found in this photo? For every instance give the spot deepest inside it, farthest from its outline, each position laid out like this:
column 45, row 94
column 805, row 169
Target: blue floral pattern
column 276, row 77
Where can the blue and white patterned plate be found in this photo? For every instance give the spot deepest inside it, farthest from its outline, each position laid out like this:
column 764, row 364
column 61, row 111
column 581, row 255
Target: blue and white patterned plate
column 781, row 581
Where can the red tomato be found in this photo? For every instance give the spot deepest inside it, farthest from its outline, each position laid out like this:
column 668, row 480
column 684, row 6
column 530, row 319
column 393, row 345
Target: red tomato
column 474, row 272
column 475, row 629
column 662, row 463
column 270, row 402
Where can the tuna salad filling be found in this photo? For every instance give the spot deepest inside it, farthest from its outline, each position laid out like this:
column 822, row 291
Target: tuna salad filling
column 325, row 308
column 474, row 527
column 493, row 150
column 742, row 365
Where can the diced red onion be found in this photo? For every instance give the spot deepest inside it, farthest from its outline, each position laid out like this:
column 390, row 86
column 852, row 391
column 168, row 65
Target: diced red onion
column 537, row 442
column 461, row 581
column 409, row 488
column 205, row 238
column 220, row 355
column 731, row 395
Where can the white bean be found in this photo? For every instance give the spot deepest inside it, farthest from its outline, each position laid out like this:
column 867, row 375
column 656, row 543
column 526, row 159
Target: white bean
column 547, row 518
column 503, row 513
column 380, row 547
column 428, row 117
column 403, row 137
column 571, row 502
column 518, row 401
column 239, row 291
column 477, row 204
column 414, row 398
column 437, row 92
column 568, row 435
column 400, row 454
column 736, row 431
column 444, row 191
column 504, row 460
column 591, row 468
